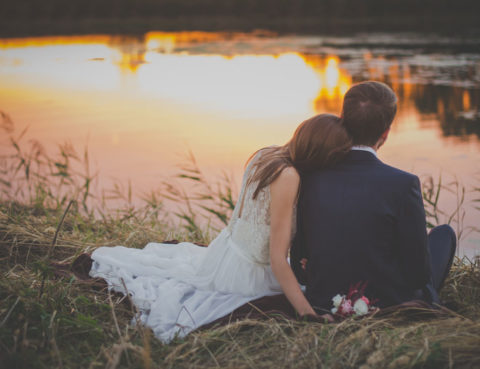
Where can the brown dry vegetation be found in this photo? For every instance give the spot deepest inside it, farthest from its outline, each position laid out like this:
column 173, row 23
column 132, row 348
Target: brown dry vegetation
column 54, row 320
column 74, row 324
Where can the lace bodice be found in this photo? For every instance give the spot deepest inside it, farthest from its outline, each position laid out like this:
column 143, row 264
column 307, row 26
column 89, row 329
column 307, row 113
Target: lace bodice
column 250, row 223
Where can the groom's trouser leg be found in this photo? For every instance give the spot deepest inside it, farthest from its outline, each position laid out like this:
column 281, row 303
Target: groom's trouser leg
column 442, row 244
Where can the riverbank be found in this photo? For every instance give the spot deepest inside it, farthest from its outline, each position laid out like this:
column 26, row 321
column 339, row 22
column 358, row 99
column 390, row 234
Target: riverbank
column 50, row 320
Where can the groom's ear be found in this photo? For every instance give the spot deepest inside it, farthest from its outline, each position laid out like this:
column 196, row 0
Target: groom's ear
column 382, row 139
column 385, row 134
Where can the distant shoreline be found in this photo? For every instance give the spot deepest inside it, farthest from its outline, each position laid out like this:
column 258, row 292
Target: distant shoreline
column 447, row 25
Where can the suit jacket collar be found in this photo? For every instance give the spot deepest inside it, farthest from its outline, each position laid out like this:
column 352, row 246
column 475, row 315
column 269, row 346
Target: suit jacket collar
column 360, row 155
column 364, row 148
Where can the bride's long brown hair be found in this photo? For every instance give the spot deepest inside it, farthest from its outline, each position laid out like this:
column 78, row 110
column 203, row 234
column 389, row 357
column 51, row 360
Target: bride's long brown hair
column 318, row 142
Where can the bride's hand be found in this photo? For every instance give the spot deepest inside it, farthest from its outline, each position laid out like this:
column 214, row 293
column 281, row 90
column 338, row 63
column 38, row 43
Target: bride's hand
column 283, row 193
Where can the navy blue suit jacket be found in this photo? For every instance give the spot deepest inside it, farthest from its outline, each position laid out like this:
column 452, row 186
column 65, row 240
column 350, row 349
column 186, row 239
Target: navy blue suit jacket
column 361, row 221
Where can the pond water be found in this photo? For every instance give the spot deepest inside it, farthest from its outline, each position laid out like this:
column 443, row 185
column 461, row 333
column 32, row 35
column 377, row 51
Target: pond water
column 141, row 103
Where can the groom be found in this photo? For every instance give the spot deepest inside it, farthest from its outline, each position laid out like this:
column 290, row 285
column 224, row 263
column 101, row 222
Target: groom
column 364, row 221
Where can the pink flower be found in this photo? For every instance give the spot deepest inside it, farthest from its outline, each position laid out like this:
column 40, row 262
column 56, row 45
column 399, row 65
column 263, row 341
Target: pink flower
column 354, row 303
column 346, row 307
column 367, row 301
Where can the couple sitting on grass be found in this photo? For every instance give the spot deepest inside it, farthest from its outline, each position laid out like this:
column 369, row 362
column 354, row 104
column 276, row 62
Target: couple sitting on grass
column 353, row 226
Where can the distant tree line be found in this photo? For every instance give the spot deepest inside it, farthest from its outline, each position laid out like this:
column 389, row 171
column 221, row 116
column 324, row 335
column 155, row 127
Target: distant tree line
column 106, row 9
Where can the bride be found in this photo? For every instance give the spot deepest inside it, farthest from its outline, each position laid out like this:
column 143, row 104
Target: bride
column 178, row 288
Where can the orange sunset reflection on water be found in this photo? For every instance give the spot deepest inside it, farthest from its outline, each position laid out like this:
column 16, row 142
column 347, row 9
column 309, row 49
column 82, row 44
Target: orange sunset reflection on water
column 140, row 103
column 122, row 87
column 255, row 85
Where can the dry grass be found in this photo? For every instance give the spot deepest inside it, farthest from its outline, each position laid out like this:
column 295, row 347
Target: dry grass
column 50, row 320
column 74, row 324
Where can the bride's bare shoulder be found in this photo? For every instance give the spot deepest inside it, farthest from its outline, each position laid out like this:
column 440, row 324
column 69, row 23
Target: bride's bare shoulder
column 284, row 189
column 290, row 174
column 288, row 177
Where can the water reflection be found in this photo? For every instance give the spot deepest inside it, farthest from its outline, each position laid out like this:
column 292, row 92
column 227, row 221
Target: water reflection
column 175, row 66
column 333, row 82
column 142, row 100
column 249, row 85
column 193, row 81
column 456, row 109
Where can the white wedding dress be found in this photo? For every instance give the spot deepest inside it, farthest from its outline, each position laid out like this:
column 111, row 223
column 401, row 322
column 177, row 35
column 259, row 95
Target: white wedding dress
column 178, row 288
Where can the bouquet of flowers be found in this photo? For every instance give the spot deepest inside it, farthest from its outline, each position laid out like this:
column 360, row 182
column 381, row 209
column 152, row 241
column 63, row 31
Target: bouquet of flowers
column 354, row 303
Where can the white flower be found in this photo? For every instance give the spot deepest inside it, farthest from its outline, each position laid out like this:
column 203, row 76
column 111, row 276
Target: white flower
column 337, row 300
column 360, row 307
column 334, row 310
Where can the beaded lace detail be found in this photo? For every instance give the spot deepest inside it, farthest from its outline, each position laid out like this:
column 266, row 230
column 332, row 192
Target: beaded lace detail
column 250, row 226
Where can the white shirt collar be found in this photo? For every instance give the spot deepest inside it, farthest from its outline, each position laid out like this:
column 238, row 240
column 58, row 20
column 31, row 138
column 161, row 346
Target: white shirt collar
column 365, row 148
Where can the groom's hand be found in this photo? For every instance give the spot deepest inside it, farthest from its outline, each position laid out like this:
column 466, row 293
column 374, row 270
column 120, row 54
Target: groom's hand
column 303, row 262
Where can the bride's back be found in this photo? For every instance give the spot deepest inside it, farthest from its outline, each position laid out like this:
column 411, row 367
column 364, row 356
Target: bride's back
column 250, row 223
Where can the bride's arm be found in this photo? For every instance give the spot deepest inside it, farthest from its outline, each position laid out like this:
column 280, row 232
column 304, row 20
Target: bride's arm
column 283, row 193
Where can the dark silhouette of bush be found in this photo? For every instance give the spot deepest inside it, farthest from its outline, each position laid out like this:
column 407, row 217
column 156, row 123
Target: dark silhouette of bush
column 87, row 9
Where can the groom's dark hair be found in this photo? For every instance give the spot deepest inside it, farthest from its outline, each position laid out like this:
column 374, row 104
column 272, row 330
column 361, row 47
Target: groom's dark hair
column 368, row 111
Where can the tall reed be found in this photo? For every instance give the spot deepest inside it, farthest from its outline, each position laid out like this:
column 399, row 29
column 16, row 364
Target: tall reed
column 32, row 175
column 203, row 197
